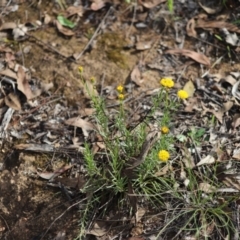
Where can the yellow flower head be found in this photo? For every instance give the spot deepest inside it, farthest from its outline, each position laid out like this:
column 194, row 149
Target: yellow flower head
column 120, row 96
column 167, row 82
column 163, row 155
column 165, row 130
column 182, row 94
column 93, row 79
column 120, row 88
column 80, row 69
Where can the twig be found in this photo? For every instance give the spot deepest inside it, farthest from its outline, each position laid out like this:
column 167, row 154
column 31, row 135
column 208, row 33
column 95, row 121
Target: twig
column 77, row 57
column 5, row 223
column 50, row 47
column 102, row 83
column 9, row 2
column 133, row 18
column 61, row 216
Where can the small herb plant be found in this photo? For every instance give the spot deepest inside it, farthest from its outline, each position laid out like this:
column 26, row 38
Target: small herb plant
column 139, row 160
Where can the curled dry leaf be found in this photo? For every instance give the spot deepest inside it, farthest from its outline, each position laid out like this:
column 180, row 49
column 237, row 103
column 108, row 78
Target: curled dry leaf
column 198, row 57
column 23, row 84
column 201, row 23
column 227, row 106
column 191, row 32
column 235, row 91
column 72, row 10
column 12, row 100
column 97, row 4
column 47, row 19
column 57, row 172
column 230, row 79
column 83, row 124
column 136, row 75
column 211, row 10
column 151, row 3
column 218, row 114
column 63, row 30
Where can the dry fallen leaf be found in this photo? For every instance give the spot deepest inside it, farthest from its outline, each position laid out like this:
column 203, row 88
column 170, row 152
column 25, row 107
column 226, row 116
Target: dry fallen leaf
column 236, row 121
column 47, row 19
column 143, row 45
column 151, row 3
column 98, row 229
column 136, row 76
column 236, row 154
column 35, row 147
column 23, row 85
column 191, row 32
column 211, row 10
column 63, row 30
column 12, row 100
column 72, row 10
column 8, row 25
column 209, row 159
column 198, row 57
column 46, row 86
column 57, row 172
column 192, row 104
column 201, row 23
column 189, row 88
column 187, row 158
column 9, row 73
column 83, row 124
column 235, row 91
column 206, row 187
column 163, row 171
column 218, row 114
column 97, row 4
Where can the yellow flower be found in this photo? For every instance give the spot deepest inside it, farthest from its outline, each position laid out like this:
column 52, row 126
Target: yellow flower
column 120, row 88
column 93, row 79
column 167, row 82
column 182, row 94
column 80, row 69
column 163, row 155
column 165, row 130
column 120, row 96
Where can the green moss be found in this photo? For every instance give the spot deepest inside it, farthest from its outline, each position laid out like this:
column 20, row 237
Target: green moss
column 113, row 44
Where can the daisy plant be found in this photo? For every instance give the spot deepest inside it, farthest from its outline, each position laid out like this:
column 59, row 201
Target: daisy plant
column 129, row 158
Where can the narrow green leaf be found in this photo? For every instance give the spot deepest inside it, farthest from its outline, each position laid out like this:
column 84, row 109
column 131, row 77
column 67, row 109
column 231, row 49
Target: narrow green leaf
column 65, row 22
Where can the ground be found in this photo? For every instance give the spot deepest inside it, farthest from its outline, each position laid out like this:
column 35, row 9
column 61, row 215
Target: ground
column 132, row 44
